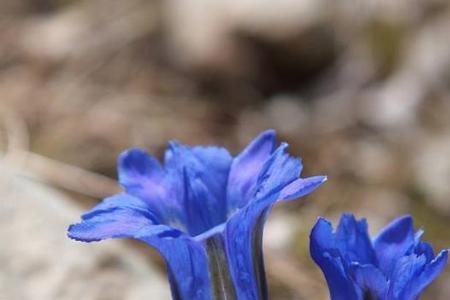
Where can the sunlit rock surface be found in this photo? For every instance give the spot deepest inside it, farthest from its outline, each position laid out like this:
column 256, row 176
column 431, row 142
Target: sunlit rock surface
column 38, row 261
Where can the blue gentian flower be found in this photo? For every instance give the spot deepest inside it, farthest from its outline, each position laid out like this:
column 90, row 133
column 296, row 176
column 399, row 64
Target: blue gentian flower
column 203, row 211
column 395, row 265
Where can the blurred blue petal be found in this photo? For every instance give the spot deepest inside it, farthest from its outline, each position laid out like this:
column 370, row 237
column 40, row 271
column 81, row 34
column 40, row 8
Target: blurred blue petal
column 352, row 239
column 396, row 265
column 325, row 253
column 394, row 241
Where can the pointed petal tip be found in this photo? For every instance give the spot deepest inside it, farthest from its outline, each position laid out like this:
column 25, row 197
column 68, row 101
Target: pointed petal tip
column 172, row 146
column 69, row 231
column 130, row 156
column 321, row 240
column 135, row 158
column 132, row 153
column 322, row 220
column 317, row 181
column 266, row 136
column 269, row 133
column 323, row 178
column 321, row 224
column 301, row 187
column 399, row 227
column 347, row 216
column 264, row 139
column 76, row 235
column 405, row 220
column 283, row 146
column 348, row 219
column 173, row 143
column 443, row 255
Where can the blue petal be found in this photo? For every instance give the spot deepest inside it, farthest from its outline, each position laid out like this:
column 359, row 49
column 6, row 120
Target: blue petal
column 216, row 167
column 393, row 242
column 119, row 201
column 352, row 238
column 429, row 273
column 187, row 266
column 425, row 249
column 279, row 170
column 243, row 237
column 139, row 173
column 243, row 231
column 124, row 216
column 142, row 176
column 117, row 217
column 246, row 168
column 327, row 256
column 203, row 173
column 422, row 247
column 301, row 187
column 211, row 164
column 203, row 210
column 370, row 279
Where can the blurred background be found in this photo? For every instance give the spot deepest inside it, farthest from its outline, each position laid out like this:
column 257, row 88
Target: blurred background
column 359, row 89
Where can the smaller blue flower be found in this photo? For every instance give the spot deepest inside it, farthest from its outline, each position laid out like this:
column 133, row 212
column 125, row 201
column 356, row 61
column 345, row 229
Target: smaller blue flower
column 395, row 265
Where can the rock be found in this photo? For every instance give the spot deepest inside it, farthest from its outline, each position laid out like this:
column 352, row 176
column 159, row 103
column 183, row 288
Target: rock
column 39, row 262
column 288, row 114
column 52, row 37
column 279, row 232
column 202, row 30
column 393, row 106
column 242, row 45
column 432, row 171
